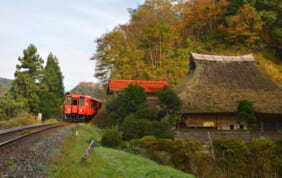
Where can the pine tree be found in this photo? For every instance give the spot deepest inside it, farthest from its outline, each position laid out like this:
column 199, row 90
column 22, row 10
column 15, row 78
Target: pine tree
column 25, row 87
column 52, row 94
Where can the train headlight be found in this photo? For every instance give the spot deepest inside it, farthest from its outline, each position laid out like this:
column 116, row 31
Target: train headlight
column 81, row 110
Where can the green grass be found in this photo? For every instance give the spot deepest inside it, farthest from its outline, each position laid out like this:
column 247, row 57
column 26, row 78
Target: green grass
column 9, row 163
column 25, row 132
column 104, row 162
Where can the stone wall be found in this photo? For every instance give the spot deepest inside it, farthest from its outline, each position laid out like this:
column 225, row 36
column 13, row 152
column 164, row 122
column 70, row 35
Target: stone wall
column 202, row 135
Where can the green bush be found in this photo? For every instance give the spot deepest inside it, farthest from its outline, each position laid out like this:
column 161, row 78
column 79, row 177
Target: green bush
column 231, row 156
column 138, row 128
column 148, row 113
column 246, row 113
column 164, row 145
column 279, row 154
column 179, row 156
column 263, row 158
column 100, row 120
column 10, row 108
column 111, row 138
column 126, row 102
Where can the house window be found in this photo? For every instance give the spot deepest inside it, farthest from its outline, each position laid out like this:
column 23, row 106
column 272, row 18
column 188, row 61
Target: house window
column 241, row 126
column 231, row 127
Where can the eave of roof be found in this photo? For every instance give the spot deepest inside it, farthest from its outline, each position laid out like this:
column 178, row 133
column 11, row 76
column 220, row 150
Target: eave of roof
column 149, row 86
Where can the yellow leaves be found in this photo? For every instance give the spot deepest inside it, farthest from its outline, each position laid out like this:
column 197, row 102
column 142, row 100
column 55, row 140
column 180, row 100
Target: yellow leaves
column 244, row 26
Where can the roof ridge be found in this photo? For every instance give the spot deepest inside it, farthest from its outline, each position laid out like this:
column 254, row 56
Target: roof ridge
column 206, row 57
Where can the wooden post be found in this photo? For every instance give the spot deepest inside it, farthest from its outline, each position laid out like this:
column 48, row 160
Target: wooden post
column 89, row 150
column 212, row 150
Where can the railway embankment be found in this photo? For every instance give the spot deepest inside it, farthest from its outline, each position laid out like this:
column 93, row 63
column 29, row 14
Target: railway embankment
column 103, row 162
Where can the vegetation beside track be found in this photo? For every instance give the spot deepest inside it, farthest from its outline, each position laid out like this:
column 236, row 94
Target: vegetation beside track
column 103, row 162
column 22, row 120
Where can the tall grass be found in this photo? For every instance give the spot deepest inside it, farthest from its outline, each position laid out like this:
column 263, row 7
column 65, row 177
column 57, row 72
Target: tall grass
column 104, row 162
column 21, row 120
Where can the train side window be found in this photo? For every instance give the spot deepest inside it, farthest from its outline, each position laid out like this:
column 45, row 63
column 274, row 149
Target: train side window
column 68, row 100
column 81, row 101
column 95, row 105
column 74, row 102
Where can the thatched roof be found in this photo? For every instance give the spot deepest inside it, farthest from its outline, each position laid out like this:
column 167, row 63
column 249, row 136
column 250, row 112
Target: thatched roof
column 216, row 84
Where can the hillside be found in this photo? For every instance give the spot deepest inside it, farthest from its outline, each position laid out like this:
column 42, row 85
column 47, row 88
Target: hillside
column 5, row 85
column 91, row 89
column 160, row 36
column 104, row 162
column 5, row 82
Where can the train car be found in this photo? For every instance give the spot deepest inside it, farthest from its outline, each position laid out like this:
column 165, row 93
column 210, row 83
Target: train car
column 81, row 107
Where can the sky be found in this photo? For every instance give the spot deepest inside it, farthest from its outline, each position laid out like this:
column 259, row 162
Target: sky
column 67, row 28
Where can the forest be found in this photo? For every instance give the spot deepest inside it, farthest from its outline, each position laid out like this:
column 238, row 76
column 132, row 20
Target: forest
column 157, row 41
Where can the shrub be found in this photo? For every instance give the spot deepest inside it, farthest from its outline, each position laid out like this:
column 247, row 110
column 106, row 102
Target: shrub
column 171, row 103
column 21, row 120
column 279, row 154
column 263, row 158
column 127, row 101
column 246, row 113
column 50, row 121
column 100, row 119
column 178, row 151
column 150, row 142
column 160, row 129
column 148, row 113
column 138, row 128
column 111, row 138
column 231, row 156
column 10, row 108
column 164, row 145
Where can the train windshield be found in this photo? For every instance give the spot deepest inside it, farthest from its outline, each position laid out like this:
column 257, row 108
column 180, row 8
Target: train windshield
column 69, row 100
column 81, row 101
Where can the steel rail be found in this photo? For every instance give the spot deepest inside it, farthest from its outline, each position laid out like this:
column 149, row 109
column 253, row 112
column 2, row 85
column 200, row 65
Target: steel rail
column 47, row 127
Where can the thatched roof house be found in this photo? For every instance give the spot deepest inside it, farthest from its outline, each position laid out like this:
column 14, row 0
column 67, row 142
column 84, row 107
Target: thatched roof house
column 216, row 84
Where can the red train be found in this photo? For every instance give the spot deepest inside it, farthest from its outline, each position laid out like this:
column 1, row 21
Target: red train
column 81, row 107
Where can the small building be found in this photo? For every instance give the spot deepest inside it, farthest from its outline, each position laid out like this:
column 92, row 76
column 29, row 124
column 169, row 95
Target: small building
column 151, row 87
column 214, row 86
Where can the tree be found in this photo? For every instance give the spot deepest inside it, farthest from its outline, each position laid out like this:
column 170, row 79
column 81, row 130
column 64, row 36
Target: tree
column 9, row 107
column 25, row 87
column 171, row 103
column 246, row 113
column 231, row 156
column 126, row 102
column 52, row 94
column 263, row 159
column 245, row 26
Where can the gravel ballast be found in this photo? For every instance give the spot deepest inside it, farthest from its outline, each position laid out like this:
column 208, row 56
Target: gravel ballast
column 30, row 157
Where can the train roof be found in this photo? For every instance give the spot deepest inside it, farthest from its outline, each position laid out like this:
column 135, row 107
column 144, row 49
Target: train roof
column 84, row 96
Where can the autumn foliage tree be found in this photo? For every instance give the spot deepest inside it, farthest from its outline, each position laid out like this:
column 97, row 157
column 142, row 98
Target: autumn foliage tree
column 156, row 42
column 245, row 26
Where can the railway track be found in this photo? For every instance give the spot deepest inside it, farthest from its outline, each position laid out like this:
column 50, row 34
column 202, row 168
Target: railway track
column 13, row 135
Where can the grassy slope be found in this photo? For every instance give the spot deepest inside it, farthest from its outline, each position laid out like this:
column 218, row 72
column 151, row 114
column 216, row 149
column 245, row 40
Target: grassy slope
column 104, row 162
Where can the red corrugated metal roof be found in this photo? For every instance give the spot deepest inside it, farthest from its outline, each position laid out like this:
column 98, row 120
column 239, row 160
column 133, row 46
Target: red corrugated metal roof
column 149, row 86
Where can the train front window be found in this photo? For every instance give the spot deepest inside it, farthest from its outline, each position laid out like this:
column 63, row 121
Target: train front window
column 74, row 102
column 81, row 101
column 69, row 100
